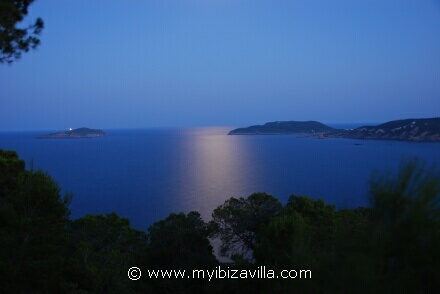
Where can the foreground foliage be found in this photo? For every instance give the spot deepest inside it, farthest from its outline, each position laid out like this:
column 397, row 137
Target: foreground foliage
column 13, row 39
column 390, row 247
column 238, row 222
column 33, row 227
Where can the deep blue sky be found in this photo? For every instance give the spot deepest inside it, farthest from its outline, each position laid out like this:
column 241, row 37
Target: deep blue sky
column 178, row 63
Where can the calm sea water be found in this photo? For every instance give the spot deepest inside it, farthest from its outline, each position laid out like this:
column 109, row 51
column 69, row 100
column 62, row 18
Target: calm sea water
column 146, row 174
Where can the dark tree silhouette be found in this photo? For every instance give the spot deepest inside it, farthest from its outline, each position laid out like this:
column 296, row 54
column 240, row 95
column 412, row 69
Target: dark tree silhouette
column 237, row 222
column 33, row 228
column 14, row 40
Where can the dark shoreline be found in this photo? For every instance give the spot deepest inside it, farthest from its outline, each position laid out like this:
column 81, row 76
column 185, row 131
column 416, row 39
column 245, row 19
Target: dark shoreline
column 412, row 130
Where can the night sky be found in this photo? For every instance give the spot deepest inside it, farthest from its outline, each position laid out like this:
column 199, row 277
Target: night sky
column 181, row 63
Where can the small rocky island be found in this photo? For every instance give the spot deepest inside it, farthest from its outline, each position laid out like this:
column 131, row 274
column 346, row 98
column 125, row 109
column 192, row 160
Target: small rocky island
column 284, row 127
column 75, row 134
column 426, row 129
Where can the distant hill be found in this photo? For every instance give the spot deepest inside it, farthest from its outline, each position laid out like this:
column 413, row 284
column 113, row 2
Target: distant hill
column 75, row 134
column 421, row 129
column 425, row 129
column 284, row 127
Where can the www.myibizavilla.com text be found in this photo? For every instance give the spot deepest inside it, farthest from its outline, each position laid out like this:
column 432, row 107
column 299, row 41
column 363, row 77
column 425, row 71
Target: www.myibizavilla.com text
column 219, row 272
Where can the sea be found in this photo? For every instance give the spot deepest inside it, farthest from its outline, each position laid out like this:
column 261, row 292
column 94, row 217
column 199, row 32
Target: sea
column 146, row 174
